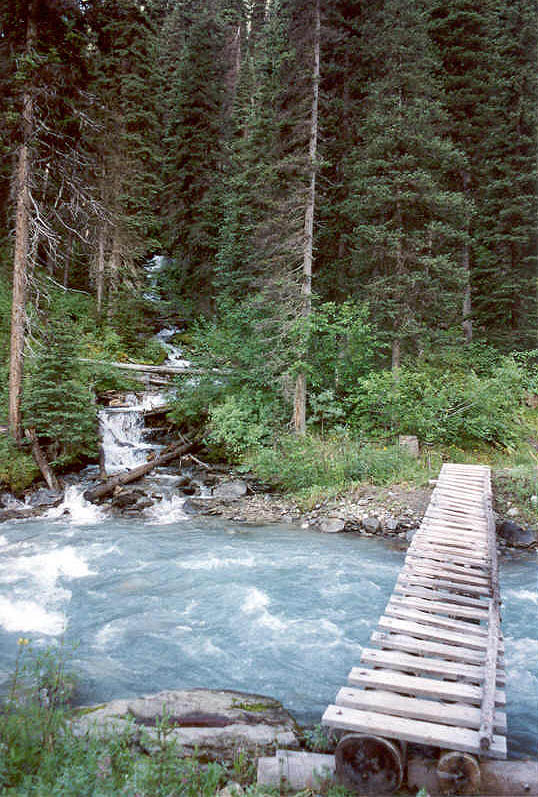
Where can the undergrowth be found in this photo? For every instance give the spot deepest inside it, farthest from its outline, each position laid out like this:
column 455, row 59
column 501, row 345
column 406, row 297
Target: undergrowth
column 42, row 755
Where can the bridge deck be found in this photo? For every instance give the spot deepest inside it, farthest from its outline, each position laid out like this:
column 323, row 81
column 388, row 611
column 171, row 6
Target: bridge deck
column 436, row 666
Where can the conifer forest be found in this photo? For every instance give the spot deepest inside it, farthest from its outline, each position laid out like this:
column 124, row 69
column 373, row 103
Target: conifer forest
column 332, row 202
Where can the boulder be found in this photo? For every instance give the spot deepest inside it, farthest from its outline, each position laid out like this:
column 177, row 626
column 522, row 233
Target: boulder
column 44, row 497
column 230, row 490
column 516, row 535
column 410, row 533
column 144, row 503
column 410, row 443
column 124, row 499
column 332, row 525
column 391, row 524
column 215, row 722
column 371, row 524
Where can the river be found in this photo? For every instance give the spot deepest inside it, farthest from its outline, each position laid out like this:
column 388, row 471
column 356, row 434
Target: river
column 172, row 602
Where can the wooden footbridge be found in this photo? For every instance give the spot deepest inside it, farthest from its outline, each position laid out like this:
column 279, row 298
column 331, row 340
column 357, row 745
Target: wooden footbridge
column 435, row 672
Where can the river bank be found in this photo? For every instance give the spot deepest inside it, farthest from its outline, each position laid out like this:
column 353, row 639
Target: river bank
column 393, row 512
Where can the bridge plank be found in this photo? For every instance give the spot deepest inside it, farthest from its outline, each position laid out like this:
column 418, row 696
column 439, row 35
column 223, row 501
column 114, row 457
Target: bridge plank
column 407, row 662
column 415, row 577
column 422, row 687
column 458, row 714
column 425, row 647
column 472, row 570
column 444, row 574
column 438, row 620
column 429, row 733
column 403, row 586
column 441, row 607
column 434, row 632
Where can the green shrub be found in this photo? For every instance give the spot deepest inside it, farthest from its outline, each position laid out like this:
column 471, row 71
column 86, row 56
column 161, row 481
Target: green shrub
column 518, row 485
column 456, row 407
column 243, row 421
column 301, row 463
column 17, row 468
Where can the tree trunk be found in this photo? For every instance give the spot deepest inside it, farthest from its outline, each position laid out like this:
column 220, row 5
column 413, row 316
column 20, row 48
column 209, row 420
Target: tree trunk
column 41, row 461
column 467, row 323
column 100, row 272
column 396, row 357
column 20, row 259
column 114, row 271
column 67, row 260
column 299, row 414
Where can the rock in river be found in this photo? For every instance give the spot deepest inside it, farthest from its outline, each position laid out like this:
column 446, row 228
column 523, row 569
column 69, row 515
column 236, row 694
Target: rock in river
column 516, row 535
column 216, row 722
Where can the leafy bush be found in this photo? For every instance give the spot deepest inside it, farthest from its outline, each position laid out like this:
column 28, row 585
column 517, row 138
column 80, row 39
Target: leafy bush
column 17, row 468
column 343, row 346
column 299, row 464
column 242, row 421
column 518, row 485
column 455, row 406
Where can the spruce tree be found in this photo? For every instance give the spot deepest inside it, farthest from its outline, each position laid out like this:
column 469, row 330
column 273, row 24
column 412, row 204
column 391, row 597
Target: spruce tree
column 126, row 145
column 192, row 164
column 506, row 260
column 58, row 403
column 408, row 221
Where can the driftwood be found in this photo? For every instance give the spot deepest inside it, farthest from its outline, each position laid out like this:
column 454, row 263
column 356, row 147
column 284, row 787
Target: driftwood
column 126, row 477
column 41, row 460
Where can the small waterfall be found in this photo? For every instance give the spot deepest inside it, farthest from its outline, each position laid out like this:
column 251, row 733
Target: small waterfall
column 75, row 508
column 175, row 354
column 123, row 430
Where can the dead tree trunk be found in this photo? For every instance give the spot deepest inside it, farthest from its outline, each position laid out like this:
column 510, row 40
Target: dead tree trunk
column 299, row 413
column 107, row 487
column 41, row 461
column 467, row 322
column 22, row 224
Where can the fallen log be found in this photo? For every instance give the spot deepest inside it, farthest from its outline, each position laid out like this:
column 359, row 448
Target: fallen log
column 107, row 487
column 140, row 367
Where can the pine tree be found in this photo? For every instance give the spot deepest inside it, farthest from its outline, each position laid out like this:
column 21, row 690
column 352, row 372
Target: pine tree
column 506, row 261
column 57, row 403
column 193, row 127
column 463, row 32
column 126, row 144
column 42, row 53
column 408, row 221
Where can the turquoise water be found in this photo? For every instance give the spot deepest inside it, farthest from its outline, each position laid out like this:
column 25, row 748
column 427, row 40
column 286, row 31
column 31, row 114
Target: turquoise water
column 194, row 603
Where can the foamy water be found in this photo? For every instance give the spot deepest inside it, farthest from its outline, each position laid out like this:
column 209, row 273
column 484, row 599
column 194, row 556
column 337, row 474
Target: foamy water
column 200, row 603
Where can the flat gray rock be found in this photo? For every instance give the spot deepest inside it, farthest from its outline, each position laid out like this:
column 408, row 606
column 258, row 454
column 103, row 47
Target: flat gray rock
column 230, row 490
column 216, row 722
column 332, row 525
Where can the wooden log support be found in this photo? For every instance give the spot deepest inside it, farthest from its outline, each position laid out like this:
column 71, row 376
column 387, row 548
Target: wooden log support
column 435, row 669
column 487, row 708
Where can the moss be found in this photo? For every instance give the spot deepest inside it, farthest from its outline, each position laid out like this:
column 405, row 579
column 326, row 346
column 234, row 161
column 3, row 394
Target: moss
column 86, row 710
column 252, row 706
